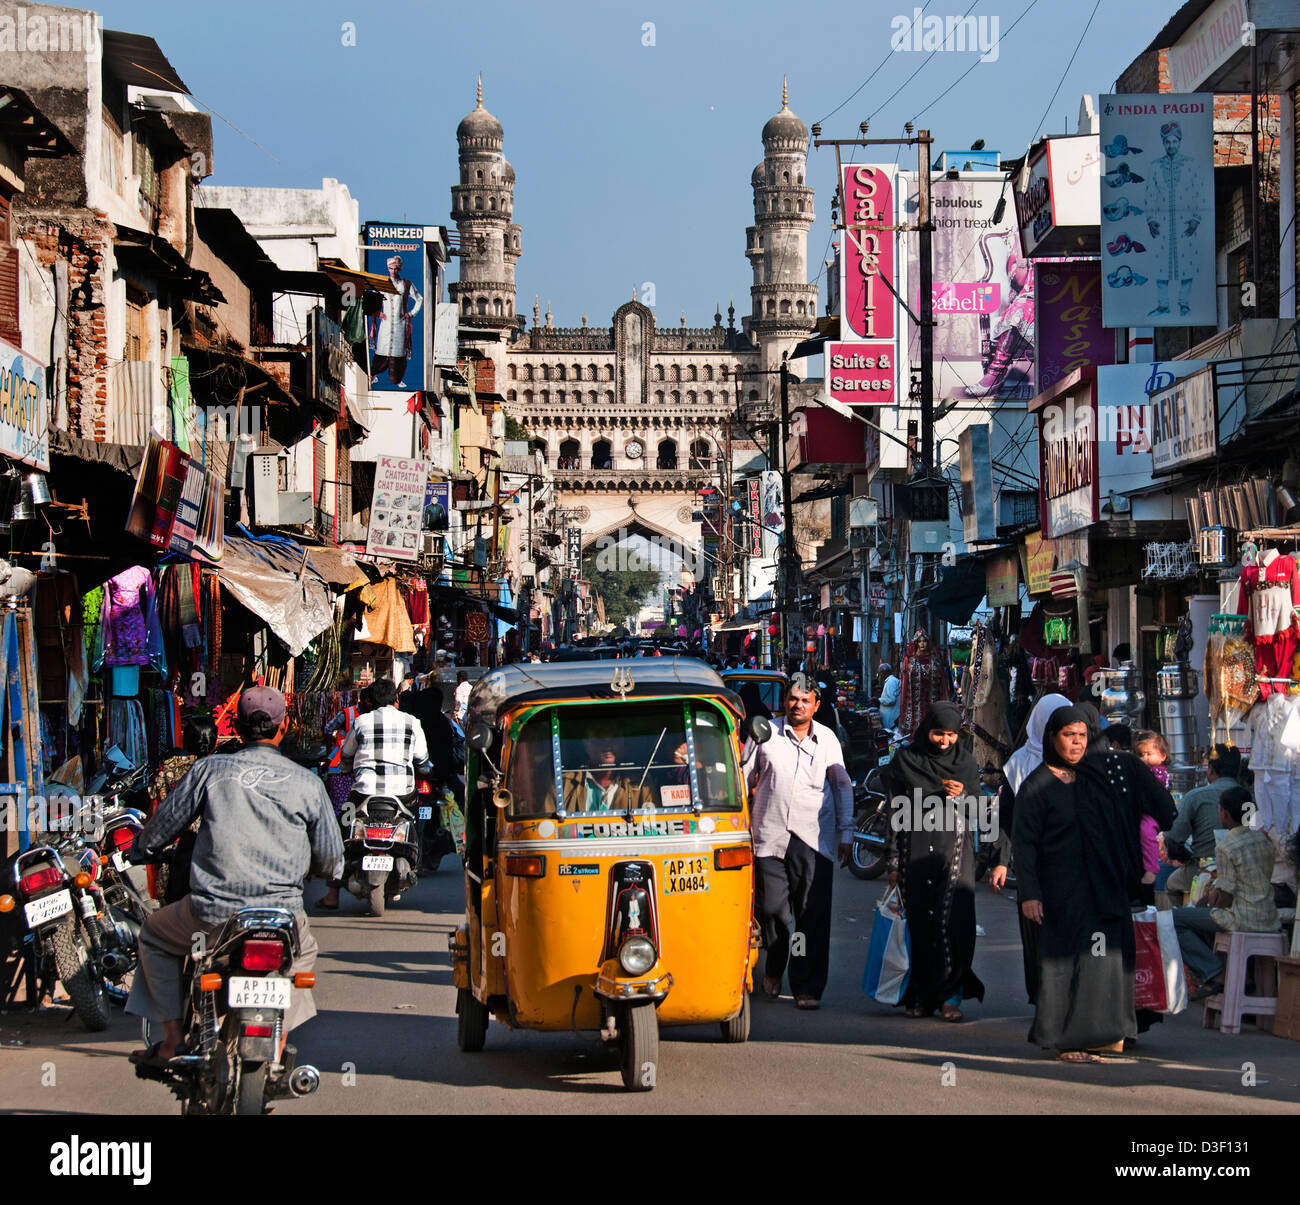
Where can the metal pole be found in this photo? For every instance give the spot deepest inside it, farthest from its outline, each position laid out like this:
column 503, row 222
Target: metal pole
column 1254, row 166
column 789, row 558
column 925, row 246
column 866, row 623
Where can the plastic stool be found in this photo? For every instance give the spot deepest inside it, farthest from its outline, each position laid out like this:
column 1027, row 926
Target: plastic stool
column 1232, row 1003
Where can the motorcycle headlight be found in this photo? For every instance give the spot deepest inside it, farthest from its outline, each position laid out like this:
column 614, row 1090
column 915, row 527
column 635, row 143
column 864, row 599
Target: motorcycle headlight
column 636, row 955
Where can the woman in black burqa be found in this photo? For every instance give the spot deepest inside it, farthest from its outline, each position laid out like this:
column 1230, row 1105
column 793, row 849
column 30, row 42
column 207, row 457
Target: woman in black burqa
column 1078, row 865
column 934, row 785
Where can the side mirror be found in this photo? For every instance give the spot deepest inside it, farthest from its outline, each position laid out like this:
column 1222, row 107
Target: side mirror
column 760, row 729
column 503, row 798
column 479, row 736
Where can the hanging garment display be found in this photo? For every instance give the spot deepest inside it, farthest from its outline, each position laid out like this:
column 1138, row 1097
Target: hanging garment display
column 985, row 697
column 1269, row 593
column 130, row 633
column 386, row 620
column 61, row 642
column 1273, row 730
column 926, row 680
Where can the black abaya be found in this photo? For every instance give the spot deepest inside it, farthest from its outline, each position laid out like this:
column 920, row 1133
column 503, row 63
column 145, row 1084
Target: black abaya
column 936, row 867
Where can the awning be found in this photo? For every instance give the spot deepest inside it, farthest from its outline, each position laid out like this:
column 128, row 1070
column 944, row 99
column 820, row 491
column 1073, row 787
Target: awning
column 154, row 255
column 455, row 595
column 957, row 594
column 337, row 567
column 341, row 274
column 272, row 579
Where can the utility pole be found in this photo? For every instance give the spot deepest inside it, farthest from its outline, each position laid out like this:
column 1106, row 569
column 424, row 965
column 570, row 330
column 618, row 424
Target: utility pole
column 925, row 254
column 729, row 554
column 789, row 554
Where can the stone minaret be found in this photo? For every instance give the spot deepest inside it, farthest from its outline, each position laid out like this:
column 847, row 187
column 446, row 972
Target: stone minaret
column 482, row 206
column 784, row 303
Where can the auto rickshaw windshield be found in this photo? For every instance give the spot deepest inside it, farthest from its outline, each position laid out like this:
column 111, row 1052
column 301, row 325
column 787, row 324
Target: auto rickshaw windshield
column 615, row 757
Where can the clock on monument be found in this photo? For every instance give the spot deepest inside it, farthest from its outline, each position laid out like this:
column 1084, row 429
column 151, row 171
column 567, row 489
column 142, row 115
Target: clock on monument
column 634, row 449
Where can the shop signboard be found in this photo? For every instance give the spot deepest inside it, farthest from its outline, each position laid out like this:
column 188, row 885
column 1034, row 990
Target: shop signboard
column 1039, row 560
column 1056, row 197
column 437, row 506
column 1185, row 422
column 330, row 356
column 573, row 546
column 978, row 515
column 445, row 326
column 397, row 509
column 1157, row 209
column 1209, row 42
column 1067, row 457
column 879, row 596
column 1002, row 579
column 755, row 516
column 1123, row 396
column 24, row 408
column 982, row 291
column 863, row 368
column 396, row 335
column 1067, row 320
column 773, row 503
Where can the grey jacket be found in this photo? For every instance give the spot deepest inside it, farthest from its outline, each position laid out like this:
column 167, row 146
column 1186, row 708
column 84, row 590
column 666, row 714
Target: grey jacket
column 266, row 822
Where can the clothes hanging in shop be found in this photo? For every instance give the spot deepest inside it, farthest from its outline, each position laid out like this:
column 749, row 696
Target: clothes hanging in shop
column 130, row 633
column 925, row 680
column 386, row 620
column 1273, row 731
column 1269, row 593
column 61, row 641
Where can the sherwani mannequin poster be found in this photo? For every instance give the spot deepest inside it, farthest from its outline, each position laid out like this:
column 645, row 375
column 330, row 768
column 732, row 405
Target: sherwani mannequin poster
column 1157, row 210
column 396, row 332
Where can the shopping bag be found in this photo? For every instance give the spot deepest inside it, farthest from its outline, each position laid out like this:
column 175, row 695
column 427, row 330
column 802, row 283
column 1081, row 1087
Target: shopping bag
column 453, row 820
column 889, row 955
column 1159, row 983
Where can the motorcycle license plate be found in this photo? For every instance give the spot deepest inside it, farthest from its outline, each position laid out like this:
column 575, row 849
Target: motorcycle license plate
column 248, row 991
column 885, row 760
column 683, row 875
column 47, row 908
column 426, row 813
column 120, row 862
column 377, row 862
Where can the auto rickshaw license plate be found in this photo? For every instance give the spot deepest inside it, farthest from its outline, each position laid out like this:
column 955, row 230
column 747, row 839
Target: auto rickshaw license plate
column 682, row 875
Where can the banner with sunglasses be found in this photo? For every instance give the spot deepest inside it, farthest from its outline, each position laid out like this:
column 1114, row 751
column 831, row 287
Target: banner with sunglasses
column 1157, row 210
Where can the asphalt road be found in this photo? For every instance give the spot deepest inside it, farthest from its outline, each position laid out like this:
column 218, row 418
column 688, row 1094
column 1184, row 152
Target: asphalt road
column 385, row 1042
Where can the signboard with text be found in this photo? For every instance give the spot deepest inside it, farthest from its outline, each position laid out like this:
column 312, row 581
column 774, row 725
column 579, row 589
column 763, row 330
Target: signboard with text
column 397, row 509
column 1067, row 320
column 24, row 409
column 396, row 334
column 1184, row 422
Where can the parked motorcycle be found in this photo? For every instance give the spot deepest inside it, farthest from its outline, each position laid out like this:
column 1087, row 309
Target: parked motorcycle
column 74, row 935
column 237, row 993
column 870, row 829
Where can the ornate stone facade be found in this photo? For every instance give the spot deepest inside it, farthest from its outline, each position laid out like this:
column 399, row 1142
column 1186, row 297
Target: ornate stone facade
column 633, row 415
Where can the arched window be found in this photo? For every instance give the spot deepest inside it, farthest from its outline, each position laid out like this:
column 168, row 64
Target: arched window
column 785, row 177
column 785, row 307
column 722, row 372
column 800, row 178
column 708, row 372
column 577, row 372
column 609, row 397
column 667, row 458
column 708, row 398
column 591, row 373
column 692, row 373
column 466, row 305
column 753, row 395
column 789, row 208
column 496, row 307
column 771, row 308
column 591, row 397
column 528, row 397
column 482, row 305
column 478, row 175
column 659, row 398
column 659, row 372
column 541, row 446
column 602, row 455
column 514, row 372
column 722, row 397
column 546, row 397
column 700, row 455
column 690, row 398
column 801, row 206
column 675, row 372
column 570, row 455
column 609, row 374
column 675, row 398
column 478, row 201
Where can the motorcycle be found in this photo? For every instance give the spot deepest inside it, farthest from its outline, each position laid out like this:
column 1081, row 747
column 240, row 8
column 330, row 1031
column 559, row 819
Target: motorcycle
column 237, row 991
column 74, row 935
column 436, row 840
column 871, row 827
column 380, row 853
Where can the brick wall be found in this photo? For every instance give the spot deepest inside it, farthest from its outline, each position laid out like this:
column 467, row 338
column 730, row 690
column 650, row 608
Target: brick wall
column 84, row 241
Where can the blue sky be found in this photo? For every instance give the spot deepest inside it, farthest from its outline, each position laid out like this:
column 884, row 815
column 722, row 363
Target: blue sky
column 633, row 160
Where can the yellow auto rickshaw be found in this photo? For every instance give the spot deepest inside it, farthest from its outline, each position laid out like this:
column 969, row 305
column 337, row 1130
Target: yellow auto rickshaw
column 608, row 861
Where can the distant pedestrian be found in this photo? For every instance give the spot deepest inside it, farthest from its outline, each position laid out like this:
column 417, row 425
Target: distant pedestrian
column 461, row 705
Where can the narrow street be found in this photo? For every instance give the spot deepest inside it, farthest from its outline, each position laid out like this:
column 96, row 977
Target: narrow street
column 385, row 1042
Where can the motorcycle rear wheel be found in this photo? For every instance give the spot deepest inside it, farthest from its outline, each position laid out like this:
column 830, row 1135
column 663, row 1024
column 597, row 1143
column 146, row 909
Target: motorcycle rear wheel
column 867, row 861
column 251, row 1101
column 77, row 973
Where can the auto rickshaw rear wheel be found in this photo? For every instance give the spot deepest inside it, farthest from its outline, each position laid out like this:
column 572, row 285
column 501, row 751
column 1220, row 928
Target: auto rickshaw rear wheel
column 640, row 1051
column 737, row 1029
column 471, row 1022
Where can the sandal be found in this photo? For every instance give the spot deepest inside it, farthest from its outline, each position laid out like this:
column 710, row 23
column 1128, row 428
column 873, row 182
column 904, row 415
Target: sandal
column 807, row 1002
column 952, row 1013
column 916, row 1012
column 1078, row 1056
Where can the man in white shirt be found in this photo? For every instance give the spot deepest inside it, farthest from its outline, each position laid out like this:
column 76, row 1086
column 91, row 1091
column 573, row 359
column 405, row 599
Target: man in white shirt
column 891, row 690
column 463, row 689
column 802, row 817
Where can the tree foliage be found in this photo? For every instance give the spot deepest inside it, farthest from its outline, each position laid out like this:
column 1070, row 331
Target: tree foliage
column 624, row 591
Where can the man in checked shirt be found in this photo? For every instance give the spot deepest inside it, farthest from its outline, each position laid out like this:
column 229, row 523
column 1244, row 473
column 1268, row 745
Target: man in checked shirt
column 386, row 748
column 802, row 817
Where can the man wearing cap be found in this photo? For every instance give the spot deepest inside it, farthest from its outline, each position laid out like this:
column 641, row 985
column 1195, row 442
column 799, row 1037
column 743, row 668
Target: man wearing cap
column 267, row 823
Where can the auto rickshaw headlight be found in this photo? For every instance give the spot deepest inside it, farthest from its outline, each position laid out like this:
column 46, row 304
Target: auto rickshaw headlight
column 637, row 955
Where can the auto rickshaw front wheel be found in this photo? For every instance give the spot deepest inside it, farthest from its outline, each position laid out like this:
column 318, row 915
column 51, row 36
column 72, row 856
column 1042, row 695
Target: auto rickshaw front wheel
column 640, row 1029
column 737, row 1029
column 471, row 1022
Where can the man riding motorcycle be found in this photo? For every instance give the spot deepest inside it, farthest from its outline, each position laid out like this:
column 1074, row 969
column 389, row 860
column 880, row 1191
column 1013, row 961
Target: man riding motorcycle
column 267, row 822
column 386, row 749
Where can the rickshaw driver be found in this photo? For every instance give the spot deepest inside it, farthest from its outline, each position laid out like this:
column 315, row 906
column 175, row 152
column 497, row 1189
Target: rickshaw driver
column 599, row 789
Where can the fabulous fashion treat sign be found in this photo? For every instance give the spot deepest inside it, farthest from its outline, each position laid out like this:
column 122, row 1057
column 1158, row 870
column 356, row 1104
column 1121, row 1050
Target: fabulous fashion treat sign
column 1157, row 210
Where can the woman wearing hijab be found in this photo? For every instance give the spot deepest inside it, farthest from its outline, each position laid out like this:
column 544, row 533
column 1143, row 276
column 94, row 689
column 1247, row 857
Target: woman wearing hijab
column 1019, row 766
column 931, row 860
column 1078, row 862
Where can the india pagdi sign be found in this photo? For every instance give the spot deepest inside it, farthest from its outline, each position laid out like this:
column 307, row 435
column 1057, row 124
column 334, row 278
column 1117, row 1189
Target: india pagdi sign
column 397, row 511
column 1157, row 210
